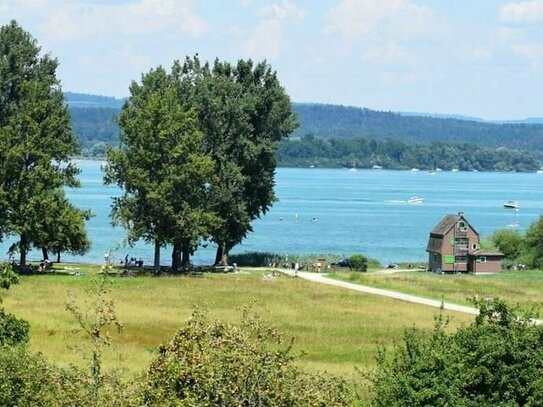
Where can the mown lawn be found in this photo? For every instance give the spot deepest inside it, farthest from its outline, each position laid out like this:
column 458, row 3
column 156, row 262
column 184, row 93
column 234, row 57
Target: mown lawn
column 336, row 329
column 517, row 287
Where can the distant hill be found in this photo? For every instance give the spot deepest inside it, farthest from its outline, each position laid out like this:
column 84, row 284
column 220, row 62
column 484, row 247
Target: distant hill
column 86, row 100
column 333, row 121
column 93, row 121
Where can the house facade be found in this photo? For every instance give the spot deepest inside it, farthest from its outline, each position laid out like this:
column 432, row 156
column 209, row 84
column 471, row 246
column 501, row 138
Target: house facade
column 453, row 247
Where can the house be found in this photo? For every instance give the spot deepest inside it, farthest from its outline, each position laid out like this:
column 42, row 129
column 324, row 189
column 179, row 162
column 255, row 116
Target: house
column 453, row 247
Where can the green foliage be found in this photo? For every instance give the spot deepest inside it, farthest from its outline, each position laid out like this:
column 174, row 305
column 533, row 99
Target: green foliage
column 534, row 243
column 243, row 112
column 27, row 379
column 7, row 276
column 13, row 331
column 509, row 242
column 395, row 154
column 161, row 168
column 36, row 140
column 210, row 363
column 358, row 262
column 253, row 259
column 495, row 361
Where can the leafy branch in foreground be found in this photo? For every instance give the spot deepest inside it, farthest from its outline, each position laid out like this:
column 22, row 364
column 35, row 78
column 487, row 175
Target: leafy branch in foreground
column 96, row 323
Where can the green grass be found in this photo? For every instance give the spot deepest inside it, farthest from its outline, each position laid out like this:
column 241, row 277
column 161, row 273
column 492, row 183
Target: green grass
column 516, row 287
column 337, row 329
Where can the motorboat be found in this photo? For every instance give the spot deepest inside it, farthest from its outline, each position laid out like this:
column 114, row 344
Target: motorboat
column 415, row 200
column 376, row 167
column 511, row 205
column 454, row 170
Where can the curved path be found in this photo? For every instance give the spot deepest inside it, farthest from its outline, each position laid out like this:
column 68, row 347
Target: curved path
column 321, row 278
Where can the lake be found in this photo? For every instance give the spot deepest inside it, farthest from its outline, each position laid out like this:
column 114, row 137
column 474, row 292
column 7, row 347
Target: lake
column 341, row 212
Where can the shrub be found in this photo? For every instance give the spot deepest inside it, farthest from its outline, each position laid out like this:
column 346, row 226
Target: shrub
column 13, row 331
column 27, row 379
column 495, row 361
column 253, row 259
column 358, row 262
column 210, row 363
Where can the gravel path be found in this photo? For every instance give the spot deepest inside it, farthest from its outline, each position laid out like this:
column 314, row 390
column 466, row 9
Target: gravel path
column 321, row 278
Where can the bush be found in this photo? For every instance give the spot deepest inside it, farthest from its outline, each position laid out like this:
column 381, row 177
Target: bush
column 509, row 242
column 210, row 363
column 495, row 361
column 358, row 262
column 253, row 259
column 27, row 379
column 13, row 331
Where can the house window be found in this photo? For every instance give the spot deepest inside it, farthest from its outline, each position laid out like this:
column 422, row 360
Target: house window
column 474, row 246
column 481, row 259
column 461, row 259
column 462, row 241
column 435, row 258
column 462, row 226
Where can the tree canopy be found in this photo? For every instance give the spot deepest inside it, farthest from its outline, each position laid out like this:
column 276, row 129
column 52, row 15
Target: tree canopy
column 161, row 168
column 36, row 139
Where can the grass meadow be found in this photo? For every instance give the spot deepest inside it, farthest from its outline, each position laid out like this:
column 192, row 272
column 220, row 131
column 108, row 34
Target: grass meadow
column 336, row 330
column 517, row 287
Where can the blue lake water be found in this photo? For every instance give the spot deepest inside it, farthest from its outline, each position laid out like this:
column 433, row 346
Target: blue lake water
column 364, row 211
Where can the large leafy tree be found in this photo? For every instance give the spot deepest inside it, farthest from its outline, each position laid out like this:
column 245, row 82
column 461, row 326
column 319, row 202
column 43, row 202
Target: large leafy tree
column 161, row 168
column 495, row 361
column 243, row 112
column 36, row 140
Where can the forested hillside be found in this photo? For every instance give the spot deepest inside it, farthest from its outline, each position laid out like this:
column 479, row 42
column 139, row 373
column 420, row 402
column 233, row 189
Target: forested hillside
column 364, row 152
column 332, row 121
column 399, row 141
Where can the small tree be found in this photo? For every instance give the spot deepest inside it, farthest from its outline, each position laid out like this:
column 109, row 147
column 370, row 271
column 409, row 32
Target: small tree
column 495, row 361
column 358, row 262
column 509, row 242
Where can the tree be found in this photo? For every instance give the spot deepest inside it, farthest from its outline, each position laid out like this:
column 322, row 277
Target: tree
column 243, row 112
column 61, row 227
column 495, row 361
column 534, row 243
column 161, row 168
column 509, row 242
column 36, row 140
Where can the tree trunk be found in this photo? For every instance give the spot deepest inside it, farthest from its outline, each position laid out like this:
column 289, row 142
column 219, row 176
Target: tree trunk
column 185, row 262
column 58, row 256
column 176, row 257
column 221, row 258
column 45, row 253
column 156, row 265
column 22, row 251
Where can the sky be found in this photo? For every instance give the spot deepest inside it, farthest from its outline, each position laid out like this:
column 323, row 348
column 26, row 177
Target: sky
column 481, row 58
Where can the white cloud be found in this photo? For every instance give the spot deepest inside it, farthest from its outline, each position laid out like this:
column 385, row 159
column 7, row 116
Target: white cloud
column 359, row 19
column 285, row 10
column 87, row 20
column 266, row 40
column 523, row 12
column 532, row 52
column 390, row 53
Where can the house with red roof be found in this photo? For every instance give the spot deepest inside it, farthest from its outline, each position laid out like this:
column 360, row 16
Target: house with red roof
column 454, row 247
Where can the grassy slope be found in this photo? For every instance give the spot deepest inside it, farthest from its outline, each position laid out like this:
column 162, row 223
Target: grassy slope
column 522, row 287
column 337, row 329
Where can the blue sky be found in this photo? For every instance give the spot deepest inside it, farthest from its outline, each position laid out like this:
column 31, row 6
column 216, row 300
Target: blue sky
column 480, row 58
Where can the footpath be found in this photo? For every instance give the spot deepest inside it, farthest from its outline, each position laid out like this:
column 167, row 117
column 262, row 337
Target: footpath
column 321, row 278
